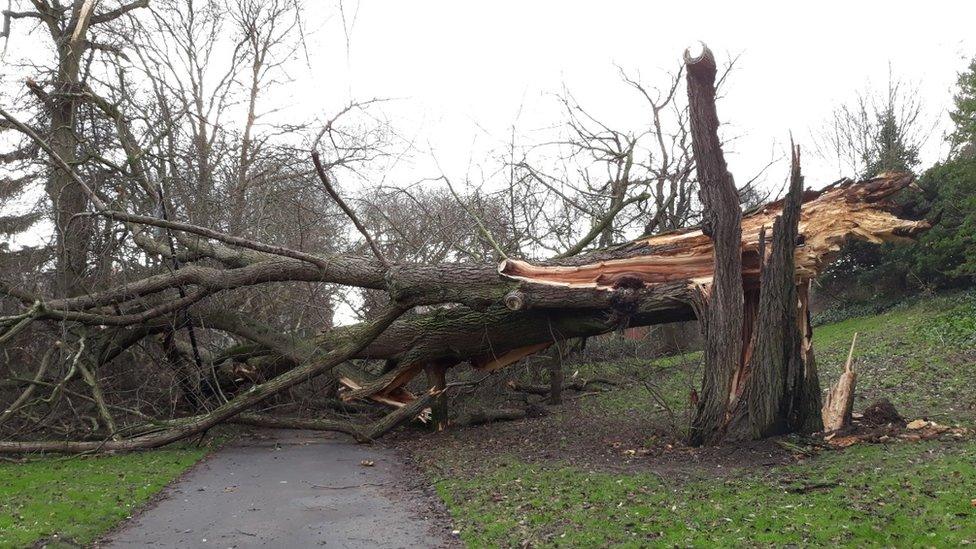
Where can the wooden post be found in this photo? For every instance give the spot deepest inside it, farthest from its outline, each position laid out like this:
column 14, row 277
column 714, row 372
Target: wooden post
column 556, row 373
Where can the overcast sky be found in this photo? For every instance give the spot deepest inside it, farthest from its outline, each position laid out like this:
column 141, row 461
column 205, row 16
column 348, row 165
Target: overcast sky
column 465, row 72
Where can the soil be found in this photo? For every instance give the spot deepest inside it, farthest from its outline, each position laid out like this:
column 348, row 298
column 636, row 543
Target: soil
column 576, row 436
column 632, row 443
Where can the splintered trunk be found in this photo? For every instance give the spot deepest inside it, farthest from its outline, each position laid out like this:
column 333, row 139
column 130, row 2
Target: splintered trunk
column 760, row 377
column 720, row 303
column 656, row 279
column 776, row 387
column 837, row 410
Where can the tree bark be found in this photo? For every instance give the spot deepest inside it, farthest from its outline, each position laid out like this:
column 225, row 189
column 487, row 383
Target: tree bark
column 777, row 389
column 760, row 376
column 722, row 300
column 68, row 199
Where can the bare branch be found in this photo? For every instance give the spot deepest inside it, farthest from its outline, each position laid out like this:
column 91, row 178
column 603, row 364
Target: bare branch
column 324, row 177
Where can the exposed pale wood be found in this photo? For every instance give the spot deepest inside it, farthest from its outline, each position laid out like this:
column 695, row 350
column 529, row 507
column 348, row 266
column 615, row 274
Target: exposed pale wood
column 838, row 407
column 841, row 211
column 490, row 364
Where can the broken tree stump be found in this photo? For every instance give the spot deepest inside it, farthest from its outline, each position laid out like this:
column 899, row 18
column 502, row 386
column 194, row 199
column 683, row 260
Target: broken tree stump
column 838, row 408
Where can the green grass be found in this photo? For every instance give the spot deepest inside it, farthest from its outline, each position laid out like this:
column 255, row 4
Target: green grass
column 896, row 495
column 671, row 377
column 922, row 356
column 80, row 498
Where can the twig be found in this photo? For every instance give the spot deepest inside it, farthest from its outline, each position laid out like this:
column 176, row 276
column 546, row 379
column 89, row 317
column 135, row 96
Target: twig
column 351, row 486
column 481, row 227
column 45, row 361
column 811, row 487
column 326, row 182
column 600, row 226
column 24, row 321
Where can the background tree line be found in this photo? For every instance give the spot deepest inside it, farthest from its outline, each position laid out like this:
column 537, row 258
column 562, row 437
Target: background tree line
column 884, row 133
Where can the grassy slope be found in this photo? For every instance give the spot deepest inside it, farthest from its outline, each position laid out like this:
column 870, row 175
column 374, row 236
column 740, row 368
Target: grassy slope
column 920, row 356
column 79, row 498
column 903, row 494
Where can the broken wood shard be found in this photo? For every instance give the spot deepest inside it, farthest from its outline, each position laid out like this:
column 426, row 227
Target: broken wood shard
column 839, row 405
column 841, row 211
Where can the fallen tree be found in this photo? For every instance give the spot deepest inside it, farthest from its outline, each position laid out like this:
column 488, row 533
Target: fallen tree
column 750, row 293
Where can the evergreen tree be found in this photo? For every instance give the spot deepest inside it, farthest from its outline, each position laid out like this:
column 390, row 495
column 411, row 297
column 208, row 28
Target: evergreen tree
column 964, row 115
column 943, row 257
column 946, row 255
column 891, row 150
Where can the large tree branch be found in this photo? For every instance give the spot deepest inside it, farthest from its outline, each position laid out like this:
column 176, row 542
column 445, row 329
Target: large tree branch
column 118, row 12
column 172, row 431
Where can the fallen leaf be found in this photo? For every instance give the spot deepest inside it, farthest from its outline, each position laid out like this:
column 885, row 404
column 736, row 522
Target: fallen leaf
column 843, row 442
column 917, row 424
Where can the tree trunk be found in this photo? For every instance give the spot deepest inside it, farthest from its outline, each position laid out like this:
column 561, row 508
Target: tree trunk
column 721, row 301
column 438, row 409
column 760, row 376
column 73, row 234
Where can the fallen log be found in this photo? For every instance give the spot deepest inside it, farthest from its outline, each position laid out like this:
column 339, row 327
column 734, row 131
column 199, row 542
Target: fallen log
column 651, row 280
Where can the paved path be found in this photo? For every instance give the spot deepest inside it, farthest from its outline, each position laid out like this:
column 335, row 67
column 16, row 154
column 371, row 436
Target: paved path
column 293, row 489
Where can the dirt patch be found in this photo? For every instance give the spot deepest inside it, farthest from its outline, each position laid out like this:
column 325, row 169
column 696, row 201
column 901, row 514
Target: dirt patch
column 881, row 413
column 576, row 436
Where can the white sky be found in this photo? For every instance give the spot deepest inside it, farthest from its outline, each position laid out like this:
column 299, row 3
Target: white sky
column 465, row 71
